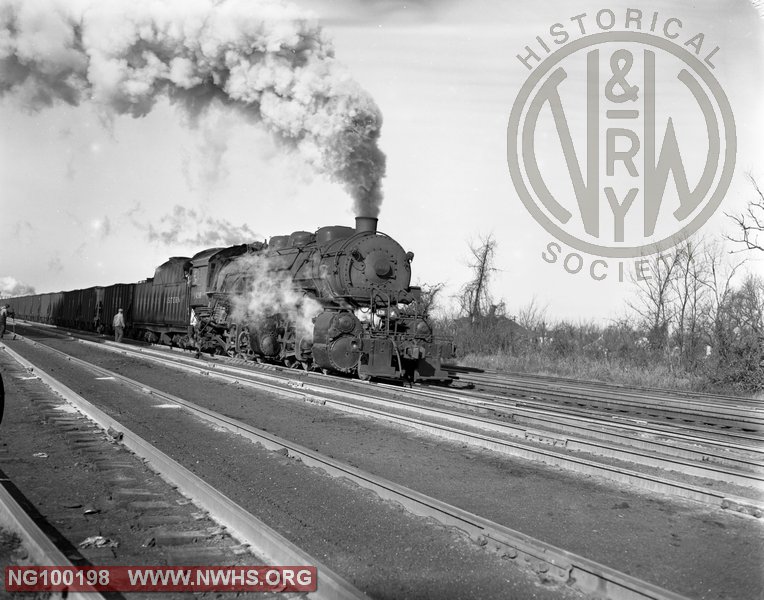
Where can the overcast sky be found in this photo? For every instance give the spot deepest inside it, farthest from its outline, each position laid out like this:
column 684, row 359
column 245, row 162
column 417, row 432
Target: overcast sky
column 89, row 199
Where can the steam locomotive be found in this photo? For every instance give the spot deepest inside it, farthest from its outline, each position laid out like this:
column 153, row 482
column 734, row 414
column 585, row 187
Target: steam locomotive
column 338, row 300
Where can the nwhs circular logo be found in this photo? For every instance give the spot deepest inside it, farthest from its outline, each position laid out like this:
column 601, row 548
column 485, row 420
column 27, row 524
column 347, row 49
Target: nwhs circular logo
column 621, row 143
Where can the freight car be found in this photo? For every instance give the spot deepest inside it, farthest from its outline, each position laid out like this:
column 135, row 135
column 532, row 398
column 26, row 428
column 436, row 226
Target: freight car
column 339, row 300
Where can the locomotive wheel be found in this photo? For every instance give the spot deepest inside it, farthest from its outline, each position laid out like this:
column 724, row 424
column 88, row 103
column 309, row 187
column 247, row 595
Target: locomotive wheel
column 343, row 354
column 242, row 343
column 230, row 340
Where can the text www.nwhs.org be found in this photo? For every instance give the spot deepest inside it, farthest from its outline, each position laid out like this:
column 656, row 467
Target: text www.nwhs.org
column 161, row 579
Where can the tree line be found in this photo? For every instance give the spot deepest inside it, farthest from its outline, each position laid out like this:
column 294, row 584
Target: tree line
column 696, row 320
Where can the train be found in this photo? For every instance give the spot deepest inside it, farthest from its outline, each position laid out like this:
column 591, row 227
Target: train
column 338, row 300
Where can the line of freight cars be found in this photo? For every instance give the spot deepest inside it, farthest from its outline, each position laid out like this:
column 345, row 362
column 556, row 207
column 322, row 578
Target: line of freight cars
column 93, row 309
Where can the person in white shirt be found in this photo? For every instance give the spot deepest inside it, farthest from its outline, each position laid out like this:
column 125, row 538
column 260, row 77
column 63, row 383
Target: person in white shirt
column 119, row 326
column 194, row 336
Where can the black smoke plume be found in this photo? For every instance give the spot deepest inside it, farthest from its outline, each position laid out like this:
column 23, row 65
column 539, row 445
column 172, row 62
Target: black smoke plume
column 264, row 58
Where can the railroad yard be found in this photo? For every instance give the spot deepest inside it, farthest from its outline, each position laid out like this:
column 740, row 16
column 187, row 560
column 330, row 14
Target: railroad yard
column 495, row 487
column 253, row 344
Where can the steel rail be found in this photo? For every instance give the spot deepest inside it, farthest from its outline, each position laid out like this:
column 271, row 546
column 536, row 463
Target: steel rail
column 519, row 405
column 328, row 396
column 500, row 406
column 528, row 407
column 741, row 438
column 497, row 377
column 549, row 562
column 703, row 450
column 601, row 389
column 42, row 551
column 605, row 429
column 513, row 448
column 602, row 386
column 302, row 391
column 631, row 402
column 241, row 524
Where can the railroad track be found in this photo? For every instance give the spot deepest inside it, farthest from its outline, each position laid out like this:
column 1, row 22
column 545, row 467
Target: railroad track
column 719, row 412
column 553, row 565
column 523, row 408
column 702, row 413
column 629, row 431
column 599, row 386
column 687, row 466
column 18, row 516
column 689, row 426
column 298, row 381
column 236, row 532
column 744, row 469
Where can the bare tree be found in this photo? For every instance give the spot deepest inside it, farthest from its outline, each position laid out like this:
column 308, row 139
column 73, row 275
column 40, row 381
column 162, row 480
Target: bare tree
column 739, row 354
column 720, row 273
column 682, row 300
column 689, row 291
column 749, row 226
column 655, row 296
column 475, row 299
column 533, row 317
column 752, row 295
column 427, row 301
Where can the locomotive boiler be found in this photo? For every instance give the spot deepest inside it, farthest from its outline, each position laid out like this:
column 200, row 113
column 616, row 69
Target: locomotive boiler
column 339, row 299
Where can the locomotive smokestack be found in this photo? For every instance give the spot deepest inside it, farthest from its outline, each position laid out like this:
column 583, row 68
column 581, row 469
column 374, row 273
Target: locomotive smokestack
column 364, row 224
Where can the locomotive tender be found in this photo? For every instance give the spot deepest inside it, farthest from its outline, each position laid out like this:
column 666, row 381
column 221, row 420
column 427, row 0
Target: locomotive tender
column 338, row 300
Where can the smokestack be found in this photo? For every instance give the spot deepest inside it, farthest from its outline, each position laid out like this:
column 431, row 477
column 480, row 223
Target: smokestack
column 364, row 224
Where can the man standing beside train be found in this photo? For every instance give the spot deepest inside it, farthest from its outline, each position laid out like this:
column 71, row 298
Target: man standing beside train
column 119, row 326
column 194, row 333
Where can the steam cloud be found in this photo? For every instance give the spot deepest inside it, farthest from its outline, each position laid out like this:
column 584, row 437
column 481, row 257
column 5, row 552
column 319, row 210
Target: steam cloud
column 10, row 287
column 263, row 59
column 272, row 293
column 187, row 226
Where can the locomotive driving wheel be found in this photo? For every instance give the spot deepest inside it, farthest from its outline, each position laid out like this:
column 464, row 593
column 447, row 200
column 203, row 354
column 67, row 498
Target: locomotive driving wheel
column 242, row 343
column 230, row 340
